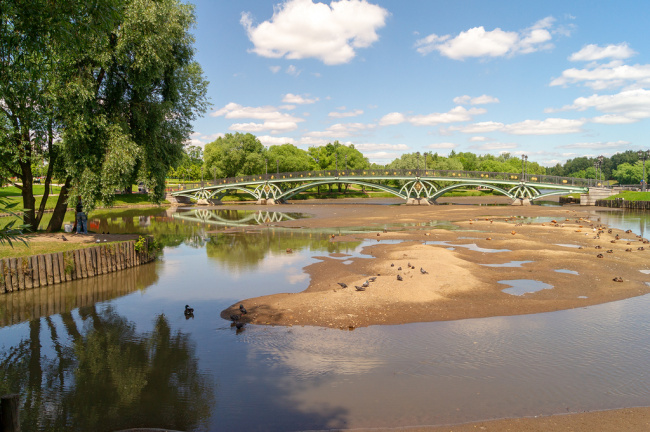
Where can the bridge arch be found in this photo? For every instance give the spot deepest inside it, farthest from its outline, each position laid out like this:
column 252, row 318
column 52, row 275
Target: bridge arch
column 443, row 191
column 291, row 192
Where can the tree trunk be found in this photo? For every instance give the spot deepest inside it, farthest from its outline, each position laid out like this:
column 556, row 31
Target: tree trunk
column 27, row 191
column 60, row 208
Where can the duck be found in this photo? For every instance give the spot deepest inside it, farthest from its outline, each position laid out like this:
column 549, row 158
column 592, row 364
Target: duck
column 399, row 278
column 242, row 309
column 618, row 279
column 188, row 311
column 600, row 256
column 399, row 268
column 360, row 288
column 599, row 247
column 423, row 271
column 234, row 317
column 640, row 248
column 610, row 251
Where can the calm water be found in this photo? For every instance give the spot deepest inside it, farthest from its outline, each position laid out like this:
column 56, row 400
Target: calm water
column 116, row 351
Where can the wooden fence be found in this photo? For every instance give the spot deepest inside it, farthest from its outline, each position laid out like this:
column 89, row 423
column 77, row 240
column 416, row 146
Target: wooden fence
column 42, row 270
column 621, row 203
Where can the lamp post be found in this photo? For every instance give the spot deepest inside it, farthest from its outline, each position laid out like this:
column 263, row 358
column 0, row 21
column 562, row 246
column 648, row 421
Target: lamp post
column 266, row 167
column 643, row 155
column 596, row 166
column 277, row 166
column 201, row 176
column 346, row 162
column 600, row 166
column 524, row 158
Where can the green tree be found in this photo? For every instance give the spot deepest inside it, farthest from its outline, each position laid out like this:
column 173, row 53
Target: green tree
column 114, row 79
column 234, row 155
column 289, row 158
column 629, row 174
column 335, row 155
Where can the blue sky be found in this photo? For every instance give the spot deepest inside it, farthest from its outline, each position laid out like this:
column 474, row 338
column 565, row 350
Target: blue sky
column 550, row 79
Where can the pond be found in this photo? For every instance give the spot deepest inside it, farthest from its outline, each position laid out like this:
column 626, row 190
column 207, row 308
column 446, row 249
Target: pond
column 116, row 351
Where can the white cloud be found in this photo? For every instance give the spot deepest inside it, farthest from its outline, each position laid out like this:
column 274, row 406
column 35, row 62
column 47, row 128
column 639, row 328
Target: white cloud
column 594, row 52
column 479, row 100
column 550, row 126
column 303, row 29
column 603, row 76
column 341, row 130
column 624, row 107
column 392, row 119
column 292, row 70
column 273, row 120
column 481, row 127
column 298, row 99
column 374, row 147
column 270, row 140
column 477, row 42
column 336, row 114
column 382, row 156
column 274, row 69
column 598, row 145
column 456, row 114
column 478, row 139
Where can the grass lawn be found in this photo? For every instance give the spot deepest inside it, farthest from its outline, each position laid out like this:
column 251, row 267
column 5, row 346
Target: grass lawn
column 120, row 200
column 631, row 196
column 38, row 190
column 36, row 248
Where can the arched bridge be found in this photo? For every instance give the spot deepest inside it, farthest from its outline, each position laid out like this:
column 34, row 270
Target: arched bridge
column 414, row 186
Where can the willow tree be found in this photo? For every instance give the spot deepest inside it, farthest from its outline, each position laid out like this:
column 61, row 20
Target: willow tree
column 113, row 87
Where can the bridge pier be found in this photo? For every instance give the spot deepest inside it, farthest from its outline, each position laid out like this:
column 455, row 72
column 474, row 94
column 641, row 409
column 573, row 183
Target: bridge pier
column 208, row 202
column 269, row 201
column 417, row 201
column 521, row 202
column 176, row 200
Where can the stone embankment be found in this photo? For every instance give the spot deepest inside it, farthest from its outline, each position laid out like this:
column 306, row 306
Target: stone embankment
column 47, row 269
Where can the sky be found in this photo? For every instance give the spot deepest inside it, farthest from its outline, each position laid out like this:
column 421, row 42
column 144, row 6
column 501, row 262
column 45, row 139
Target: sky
column 553, row 80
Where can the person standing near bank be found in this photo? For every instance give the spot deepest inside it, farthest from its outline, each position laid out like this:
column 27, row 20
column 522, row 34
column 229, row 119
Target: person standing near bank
column 82, row 219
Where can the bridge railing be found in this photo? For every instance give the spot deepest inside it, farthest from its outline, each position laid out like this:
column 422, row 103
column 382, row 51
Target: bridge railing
column 398, row 174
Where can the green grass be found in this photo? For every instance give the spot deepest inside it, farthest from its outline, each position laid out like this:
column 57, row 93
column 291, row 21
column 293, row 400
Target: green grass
column 631, row 196
column 36, row 248
column 38, row 190
column 120, row 200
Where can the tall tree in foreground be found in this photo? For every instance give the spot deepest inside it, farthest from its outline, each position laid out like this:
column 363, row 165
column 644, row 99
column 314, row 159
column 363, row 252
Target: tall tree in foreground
column 106, row 92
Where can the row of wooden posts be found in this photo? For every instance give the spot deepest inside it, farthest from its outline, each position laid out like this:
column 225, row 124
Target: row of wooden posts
column 626, row 204
column 47, row 269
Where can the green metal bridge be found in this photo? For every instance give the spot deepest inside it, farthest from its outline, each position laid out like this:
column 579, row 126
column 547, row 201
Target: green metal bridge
column 414, row 186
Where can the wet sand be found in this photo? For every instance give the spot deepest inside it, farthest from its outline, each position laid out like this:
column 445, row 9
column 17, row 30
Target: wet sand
column 457, row 283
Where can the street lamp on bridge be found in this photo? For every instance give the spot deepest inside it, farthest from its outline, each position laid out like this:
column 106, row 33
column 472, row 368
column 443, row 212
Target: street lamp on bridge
column 524, row 158
column 266, row 167
column 600, row 166
column 643, row 155
column 277, row 166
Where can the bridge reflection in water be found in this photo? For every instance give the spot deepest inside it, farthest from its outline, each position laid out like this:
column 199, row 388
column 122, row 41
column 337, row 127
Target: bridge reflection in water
column 27, row 305
column 234, row 217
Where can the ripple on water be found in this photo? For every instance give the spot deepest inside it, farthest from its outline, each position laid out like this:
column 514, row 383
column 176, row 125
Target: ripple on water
column 524, row 286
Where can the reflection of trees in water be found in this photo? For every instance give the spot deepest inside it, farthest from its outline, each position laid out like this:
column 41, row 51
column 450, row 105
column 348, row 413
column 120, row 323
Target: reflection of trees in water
column 246, row 250
column 111, row 377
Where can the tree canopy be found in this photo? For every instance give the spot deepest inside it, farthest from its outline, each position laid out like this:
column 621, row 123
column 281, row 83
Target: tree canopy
column 103, row 91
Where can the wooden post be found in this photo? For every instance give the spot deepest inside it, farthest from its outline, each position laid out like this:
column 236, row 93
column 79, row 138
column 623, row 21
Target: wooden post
column 42, row 275
column 49, row 269
column 34, row 264
column 13, row 262
column 9, row 410
column 89, row 262
column 27, row 269
column 56, row 273
column 3, row 277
